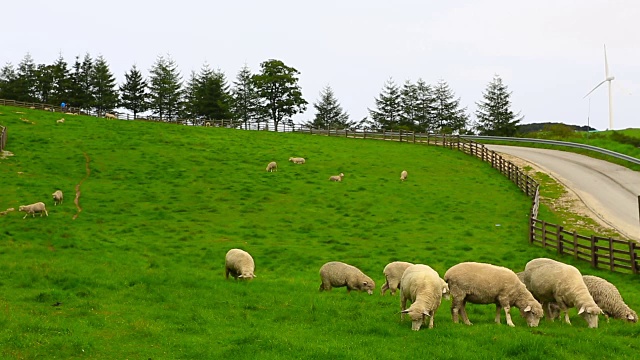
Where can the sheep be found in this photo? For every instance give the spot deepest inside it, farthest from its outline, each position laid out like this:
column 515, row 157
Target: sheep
column 207, row 124
column 393, row 274
column 2, row 213
column 57, row 197
column 110, row 116
column 59, row 121
column 336, row 177
column 481, row 283
column 297, row 160
column 339, row 274
column 239, row 264
column 424, row 287
column 608, row 298
column 272, row 166
column 551, row 281
column 403, row 175
column 33, row 209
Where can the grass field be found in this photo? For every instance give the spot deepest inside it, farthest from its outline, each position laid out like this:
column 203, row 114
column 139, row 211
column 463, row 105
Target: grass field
column 139, row 273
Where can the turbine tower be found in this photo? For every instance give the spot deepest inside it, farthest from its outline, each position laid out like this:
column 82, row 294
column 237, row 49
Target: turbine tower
column 607, row 78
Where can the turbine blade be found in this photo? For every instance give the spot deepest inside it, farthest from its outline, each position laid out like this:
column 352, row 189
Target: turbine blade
column 594, row 89
column 606, row 64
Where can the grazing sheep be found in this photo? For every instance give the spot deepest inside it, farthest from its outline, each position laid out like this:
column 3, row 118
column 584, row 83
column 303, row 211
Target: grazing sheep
column 424, row 288
column 59, row 121
column 57, row 197
column 339, row 274
column 403, row 175
column 46, row 109
column 110, row 116
column 207, row 124
column 33, row 209
column 480, row 283
column 551, row 281
column 393, row 274
column 2, row 213
column 608, row 298
column 239, row 264
column 297, row 160
column 272, row 166
column 336, row 177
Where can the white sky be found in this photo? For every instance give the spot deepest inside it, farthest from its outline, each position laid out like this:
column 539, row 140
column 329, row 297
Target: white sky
column 549, row 52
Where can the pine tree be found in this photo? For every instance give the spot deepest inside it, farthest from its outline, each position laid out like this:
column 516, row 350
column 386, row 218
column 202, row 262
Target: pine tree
column 27, row 80
column 409, row 104
column 8, row 79
column 494, row 114
column 246, row 100
column 208, row 95
column 449, row 117
column 425, row 107
column 389, row 107
column 329, row 113
column 165, row 89
column 61, row 86
column 104, row 87
column 133, row 95
column 277, row 85
column 81, row 90
column 44, row 83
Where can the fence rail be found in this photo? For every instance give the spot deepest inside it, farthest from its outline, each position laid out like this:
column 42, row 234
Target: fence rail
column 614, row 254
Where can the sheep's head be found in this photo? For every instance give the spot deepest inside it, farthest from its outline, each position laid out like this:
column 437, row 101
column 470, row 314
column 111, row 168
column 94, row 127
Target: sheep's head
column 590, row 314
column 22, row 208
column 368, row 286
column 417, row 318
column 247, row 275
column 532, row 313
column 631, row 316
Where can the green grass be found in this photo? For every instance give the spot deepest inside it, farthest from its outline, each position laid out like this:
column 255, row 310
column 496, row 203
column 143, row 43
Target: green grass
column 139, row 273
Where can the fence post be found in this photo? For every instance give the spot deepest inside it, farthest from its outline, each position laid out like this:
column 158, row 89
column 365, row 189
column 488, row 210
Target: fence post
column 611, row 255
column 544, row 234
column 531, row 228
column 559, row 238
column 575, row 244
column 594, row 254
column 633, row 257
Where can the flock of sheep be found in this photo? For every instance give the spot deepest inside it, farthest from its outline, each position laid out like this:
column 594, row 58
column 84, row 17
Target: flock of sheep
column 273, row 166
column 40, row 207
column 546, row 287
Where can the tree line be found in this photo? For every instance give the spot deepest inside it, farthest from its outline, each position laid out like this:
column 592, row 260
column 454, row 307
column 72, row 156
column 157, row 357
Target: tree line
column 272, row 95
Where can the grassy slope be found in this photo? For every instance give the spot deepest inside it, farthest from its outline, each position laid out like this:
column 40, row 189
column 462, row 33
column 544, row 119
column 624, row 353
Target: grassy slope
column 140, row 272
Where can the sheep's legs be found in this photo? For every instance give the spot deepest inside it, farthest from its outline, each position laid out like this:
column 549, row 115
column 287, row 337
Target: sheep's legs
column 507, row 314
column 463, row 313
column 384, row 287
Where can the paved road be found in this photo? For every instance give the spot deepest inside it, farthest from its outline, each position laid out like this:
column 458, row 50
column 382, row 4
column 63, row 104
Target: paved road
column 609, row 190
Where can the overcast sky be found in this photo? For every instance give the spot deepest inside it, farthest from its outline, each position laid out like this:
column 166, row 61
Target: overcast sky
column 548, row 52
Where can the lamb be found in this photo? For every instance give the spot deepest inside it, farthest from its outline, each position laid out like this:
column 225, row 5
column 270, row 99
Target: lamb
column 480, row 283
column 57, row 197
column 33, row 209
column 297, row 160
column 59, row 121
column 424, row 287
column 272, row 166
column 336, row 177
column 393, row 274
column 608, row 298
column 110, row 116
column 339, row 274
column 239, row 264
column 551, row 281
column 403, row 175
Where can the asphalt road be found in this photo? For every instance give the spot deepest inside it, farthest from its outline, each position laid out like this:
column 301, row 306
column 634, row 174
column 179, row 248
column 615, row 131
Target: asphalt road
column 611, row 191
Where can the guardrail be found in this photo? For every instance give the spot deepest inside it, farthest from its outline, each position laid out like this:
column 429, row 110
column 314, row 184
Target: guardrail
column 558, row 143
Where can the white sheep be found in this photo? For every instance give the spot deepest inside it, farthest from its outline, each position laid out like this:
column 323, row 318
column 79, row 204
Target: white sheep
column 339, row 274
column 57, row 197
column 272, row 166
column 480, row 283
column 336, row 177
column 239, row 264
column 110, row 116
column 424, row 288
column 60, row 121
column 33, row 209
column 552, row 281
column 403, row 175
column 297, row 160
column 393, row 274
column 608, row 298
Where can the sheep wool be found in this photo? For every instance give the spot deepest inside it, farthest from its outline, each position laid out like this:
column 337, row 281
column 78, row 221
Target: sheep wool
column 403, row 175
column 338, row 274
column 608, row 298
column 272, row 166
column 57, row 197
column 424, row 288
column 480, row 283
column 239, row 264
column 297, row 160
column 33, row 209
column 336, row 177
column 393, row 274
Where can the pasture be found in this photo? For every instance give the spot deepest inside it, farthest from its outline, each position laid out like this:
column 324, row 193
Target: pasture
column 139, row 274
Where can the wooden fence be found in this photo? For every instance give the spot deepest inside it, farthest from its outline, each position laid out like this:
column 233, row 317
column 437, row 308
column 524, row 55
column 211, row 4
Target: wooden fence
column 3, row 137
column 616, row 255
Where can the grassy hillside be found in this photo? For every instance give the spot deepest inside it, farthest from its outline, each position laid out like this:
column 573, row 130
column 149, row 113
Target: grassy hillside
column 139, row 273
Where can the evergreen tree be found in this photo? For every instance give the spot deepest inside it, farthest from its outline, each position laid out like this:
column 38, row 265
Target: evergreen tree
column 246, row 100
column 61, row 86
column 329, row 113
column 449, row 117
column 389, row 107
column 8, row 79
column 44, row 83
column 409, row 106
column 104, row 87
column 27, row 80
column 277, row 85
column 494, row 114
column 424, row 107
column 208, row 95
column 165, row 89
column 133, row 94
column 80, row 88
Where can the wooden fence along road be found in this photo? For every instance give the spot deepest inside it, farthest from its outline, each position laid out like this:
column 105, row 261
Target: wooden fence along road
column 613, row 254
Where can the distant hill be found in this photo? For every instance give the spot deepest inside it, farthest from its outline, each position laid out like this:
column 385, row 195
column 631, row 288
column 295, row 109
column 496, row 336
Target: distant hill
column 535, row 127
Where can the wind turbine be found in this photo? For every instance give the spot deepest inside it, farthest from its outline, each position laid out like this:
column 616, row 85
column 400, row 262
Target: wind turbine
column 607, row 78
